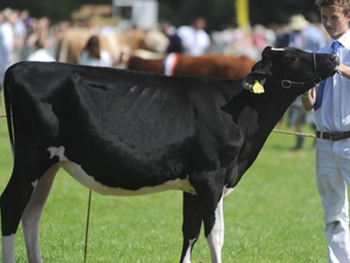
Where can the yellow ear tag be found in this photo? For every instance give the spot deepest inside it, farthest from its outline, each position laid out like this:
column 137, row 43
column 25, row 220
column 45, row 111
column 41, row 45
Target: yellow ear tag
column 257, row 88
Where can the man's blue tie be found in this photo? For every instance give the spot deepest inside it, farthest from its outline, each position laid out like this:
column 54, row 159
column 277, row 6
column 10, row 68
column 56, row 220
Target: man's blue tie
column 335, row 47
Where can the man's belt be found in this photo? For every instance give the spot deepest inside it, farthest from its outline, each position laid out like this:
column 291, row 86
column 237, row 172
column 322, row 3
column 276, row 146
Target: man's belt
column 333, row 136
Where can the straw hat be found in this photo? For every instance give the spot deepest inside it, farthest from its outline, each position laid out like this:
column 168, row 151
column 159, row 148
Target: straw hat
column 298, row 22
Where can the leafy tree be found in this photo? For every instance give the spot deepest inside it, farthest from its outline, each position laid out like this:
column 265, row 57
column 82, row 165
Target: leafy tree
column 267, row 12
column 218, row 13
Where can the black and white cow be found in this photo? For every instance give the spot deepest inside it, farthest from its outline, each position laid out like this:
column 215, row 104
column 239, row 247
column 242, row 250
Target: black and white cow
column 121, row 132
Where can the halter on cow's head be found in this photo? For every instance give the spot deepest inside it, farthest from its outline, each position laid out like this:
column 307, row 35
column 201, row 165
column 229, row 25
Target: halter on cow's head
column 312, row 68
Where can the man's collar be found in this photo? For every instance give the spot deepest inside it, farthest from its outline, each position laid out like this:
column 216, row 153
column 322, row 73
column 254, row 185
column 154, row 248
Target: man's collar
column 344, row 40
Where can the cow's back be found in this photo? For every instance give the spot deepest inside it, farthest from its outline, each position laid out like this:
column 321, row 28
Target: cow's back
column 48, row 90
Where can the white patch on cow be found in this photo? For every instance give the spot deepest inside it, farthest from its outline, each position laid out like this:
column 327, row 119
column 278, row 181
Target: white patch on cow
column 216, row 236
column 170, row 63
column 228, row 191
column 80, row 175
column 8, row 249
column 57, row 151
column 187, row 258
column 277, row 49
column 88, row 181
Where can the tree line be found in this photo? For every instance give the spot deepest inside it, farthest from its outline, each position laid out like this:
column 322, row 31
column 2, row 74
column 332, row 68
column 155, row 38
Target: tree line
column 219, row 13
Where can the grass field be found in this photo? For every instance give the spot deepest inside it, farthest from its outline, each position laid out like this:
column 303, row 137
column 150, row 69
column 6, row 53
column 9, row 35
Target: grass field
column 274, row 215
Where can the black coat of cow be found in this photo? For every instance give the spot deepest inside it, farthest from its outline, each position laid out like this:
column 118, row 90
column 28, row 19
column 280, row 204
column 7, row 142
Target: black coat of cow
column 125, row 133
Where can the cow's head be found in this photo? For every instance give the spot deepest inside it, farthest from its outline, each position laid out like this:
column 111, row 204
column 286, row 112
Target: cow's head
column 292, row 67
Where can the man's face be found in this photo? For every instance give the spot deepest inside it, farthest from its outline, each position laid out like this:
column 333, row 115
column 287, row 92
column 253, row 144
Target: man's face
column 200, row 24
column 334, row 21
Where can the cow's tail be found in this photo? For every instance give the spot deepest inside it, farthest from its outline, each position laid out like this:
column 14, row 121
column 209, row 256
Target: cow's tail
column 8, row 107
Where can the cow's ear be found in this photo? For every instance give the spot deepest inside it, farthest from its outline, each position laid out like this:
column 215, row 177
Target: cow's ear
column 259, row 73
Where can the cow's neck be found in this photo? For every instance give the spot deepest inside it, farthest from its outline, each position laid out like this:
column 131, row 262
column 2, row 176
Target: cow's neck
column 257, row 115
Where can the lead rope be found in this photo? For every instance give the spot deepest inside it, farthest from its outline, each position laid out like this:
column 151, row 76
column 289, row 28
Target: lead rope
column 295, row 133
column 87, row 227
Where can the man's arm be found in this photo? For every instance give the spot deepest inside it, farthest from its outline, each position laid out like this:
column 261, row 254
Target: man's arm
column 308, row 99
column 345, row 71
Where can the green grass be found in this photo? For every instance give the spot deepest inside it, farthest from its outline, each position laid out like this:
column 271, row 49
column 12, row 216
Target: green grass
column 274, row 215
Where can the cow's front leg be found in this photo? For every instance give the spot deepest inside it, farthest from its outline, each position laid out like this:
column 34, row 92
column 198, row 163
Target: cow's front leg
column 214, row 232
column 191, row 225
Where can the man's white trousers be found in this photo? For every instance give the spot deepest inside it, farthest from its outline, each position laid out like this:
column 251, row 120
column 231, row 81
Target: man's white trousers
column 332, row 176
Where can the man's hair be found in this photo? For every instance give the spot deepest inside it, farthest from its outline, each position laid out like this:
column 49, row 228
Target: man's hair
column 345, row 4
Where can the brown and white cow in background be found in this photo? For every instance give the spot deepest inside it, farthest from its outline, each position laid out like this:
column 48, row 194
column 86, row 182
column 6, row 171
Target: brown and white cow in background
column 214, row 65
column 120, row 45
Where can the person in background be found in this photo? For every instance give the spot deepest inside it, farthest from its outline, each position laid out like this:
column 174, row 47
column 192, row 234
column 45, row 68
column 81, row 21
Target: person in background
column 330, row 102
column 313, row 34
column 228, row 39
column 175, row 43
column 295, row 38
column 195, row 40
column 20, row 33
column 315, row 38
column 92, row 55
column 306, row 36
column 40, row 53
column 7, row 42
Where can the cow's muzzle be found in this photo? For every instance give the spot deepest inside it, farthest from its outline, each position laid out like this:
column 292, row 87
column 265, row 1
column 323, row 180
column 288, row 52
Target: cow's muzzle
column 287, row 84
column 337, row 69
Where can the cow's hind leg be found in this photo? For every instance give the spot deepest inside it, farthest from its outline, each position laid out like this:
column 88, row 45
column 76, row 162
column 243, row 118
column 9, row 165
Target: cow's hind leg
column 32, row 214
column 191, row 225
column 15, row 198
column 13, row 202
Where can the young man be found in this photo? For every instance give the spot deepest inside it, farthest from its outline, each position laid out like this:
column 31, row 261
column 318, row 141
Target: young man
column 195, row 40
column 331, row 103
